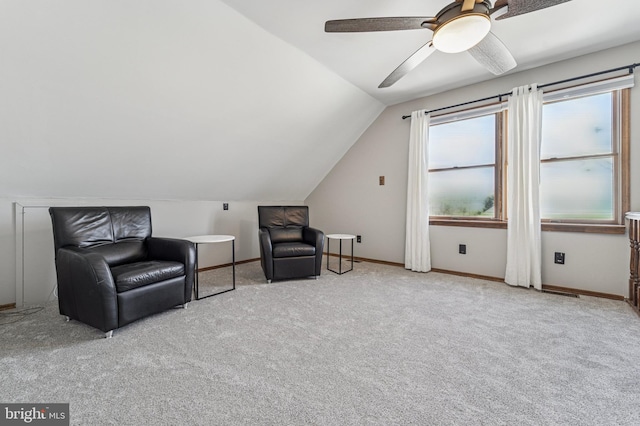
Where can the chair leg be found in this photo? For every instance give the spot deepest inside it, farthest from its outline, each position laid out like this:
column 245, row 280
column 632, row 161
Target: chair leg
column 67, row 319
column 108, row 334
column 184, row 306
column 268, row 281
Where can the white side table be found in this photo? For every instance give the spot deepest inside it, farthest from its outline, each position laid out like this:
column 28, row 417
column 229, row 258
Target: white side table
column 339, row 237
column 213, row 239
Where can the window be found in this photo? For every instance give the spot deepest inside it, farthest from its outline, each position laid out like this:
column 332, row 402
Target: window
column 462, row 168
column 579, row 152
column 584, row 172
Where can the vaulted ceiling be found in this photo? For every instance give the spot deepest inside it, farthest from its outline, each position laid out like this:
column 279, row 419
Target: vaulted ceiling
column 233, row 100
column 548, row 35
column 170, row 99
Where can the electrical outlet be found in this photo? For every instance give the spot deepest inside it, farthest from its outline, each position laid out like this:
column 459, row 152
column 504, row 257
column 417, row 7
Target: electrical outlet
column 381, row 180
column 358, row 238
column 225, row 206
column 558, row 258
column 462, row 248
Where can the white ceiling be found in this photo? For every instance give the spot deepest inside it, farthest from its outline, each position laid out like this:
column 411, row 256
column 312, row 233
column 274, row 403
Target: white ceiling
column 365, row 59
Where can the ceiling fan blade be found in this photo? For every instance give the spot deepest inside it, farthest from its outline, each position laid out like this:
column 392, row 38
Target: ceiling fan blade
column 410, row 63
column 500, row 7
column 493, row 55
column 379, row 24
column 520, row 7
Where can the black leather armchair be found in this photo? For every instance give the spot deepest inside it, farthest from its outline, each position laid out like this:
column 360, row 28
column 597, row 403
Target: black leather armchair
column 289, row 248
column 111, row 271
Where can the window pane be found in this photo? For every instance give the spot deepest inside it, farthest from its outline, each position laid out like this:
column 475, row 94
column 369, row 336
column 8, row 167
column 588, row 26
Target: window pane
column 463, row 143
column 579, row 189
column 467, row 192
column 575, row 127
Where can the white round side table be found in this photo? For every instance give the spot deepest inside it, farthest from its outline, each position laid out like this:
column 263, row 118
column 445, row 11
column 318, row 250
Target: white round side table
column 339, row 237
column 212, row 239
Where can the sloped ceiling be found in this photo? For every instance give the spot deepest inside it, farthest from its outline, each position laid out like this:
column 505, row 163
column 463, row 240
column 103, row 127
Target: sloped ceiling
column 571, row 29
column 164, row 99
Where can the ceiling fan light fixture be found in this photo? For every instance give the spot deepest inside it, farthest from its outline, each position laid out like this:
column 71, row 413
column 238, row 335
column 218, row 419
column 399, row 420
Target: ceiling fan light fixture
column 461, row 33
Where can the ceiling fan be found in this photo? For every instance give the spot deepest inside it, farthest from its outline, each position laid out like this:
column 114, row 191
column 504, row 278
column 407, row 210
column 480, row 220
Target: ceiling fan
column 464, row 25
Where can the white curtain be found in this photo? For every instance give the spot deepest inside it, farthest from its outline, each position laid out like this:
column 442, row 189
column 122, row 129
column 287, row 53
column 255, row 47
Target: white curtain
column 417, row 246
column 523, row 188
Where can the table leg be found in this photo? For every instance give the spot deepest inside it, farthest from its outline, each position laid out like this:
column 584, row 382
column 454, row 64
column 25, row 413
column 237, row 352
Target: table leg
column 233, row 266
column 196, row 283
column 352, row 254
column 339, row 271
column 328, row 252
column 340, row 259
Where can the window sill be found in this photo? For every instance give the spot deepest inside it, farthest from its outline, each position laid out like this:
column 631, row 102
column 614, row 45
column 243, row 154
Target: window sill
column 469, row 223
column 581, row 227
column 547, row 227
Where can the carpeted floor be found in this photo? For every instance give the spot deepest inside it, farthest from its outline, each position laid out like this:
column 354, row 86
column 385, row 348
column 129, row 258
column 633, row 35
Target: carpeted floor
column 378, row 345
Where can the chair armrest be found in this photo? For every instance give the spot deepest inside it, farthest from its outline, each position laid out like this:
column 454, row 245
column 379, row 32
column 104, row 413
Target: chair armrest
column 173, row 249
column 315, row 237
column 176, row 250
column 86, row 290
column 266, row 252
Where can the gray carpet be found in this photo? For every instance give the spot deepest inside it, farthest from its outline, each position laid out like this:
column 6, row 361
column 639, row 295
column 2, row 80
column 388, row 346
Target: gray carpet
column 378, row 345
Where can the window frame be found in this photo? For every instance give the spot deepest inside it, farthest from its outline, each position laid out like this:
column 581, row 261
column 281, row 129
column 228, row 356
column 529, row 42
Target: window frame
column 621, row 132
column 497, row 165
column 614, row 154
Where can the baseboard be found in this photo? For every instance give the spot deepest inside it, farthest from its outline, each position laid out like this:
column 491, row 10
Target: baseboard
column 555, row 288
column 468, row 275
column 545, row 287
column 548, row 287
column 224, row 265
column 7, row 306
column 365, row 259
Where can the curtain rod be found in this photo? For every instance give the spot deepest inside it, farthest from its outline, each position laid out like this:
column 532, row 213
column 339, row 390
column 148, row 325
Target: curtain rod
column 629, row 67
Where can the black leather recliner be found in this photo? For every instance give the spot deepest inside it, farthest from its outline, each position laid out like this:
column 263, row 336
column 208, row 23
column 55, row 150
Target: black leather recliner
column 289, row 248
column 111, row 271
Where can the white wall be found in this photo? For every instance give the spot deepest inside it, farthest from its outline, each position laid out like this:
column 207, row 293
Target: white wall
column 169, row 219
column 350, row 200
column 7, row 253
column 129, row 102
